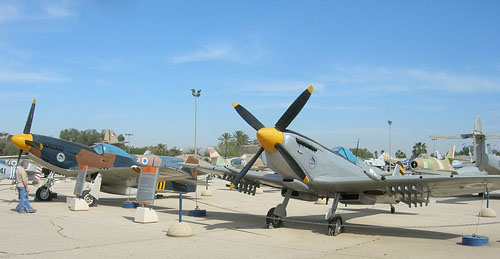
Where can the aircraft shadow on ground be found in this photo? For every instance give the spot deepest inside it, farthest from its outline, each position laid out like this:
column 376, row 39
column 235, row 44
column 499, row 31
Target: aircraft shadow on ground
column 463, row 199
column 241, row 221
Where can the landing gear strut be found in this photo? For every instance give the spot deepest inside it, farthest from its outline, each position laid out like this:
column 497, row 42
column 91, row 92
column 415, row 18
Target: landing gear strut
column 43, row 193
column 393, row 209
column 335, row 221
column 91, row 196
column 274, row 218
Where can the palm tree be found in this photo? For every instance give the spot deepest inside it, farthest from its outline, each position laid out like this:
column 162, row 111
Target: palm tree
column 224, row 141
column 419, row 148
column 241, row 138
column 400, row 154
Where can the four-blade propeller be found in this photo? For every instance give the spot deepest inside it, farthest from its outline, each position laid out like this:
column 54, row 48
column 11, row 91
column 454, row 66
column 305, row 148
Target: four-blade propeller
column 24, row 141
column 271, row 138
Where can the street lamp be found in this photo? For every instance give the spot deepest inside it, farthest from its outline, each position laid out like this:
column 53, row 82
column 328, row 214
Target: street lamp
column 390, row 123
column 129, row 135
column 196, row 94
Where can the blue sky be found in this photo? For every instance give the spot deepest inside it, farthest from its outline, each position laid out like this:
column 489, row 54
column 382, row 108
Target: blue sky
column 429, row 66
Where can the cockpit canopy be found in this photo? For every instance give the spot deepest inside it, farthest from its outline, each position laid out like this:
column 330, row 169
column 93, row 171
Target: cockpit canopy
column 109, row 149
column 346, row 154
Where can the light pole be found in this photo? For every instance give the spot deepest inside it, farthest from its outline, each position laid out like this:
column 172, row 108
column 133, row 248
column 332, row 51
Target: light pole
column 129, row 135
column 195, row 94
column 390, row 123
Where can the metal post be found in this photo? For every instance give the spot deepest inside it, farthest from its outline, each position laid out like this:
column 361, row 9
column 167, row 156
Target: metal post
column 195, row 124
column 390, row 123
column 180, row 207
column 129, row 144
column 206, row 183
column 195, row 94
column 487, row 199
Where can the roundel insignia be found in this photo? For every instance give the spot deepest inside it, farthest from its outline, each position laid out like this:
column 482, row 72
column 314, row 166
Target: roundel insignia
column 14, row 163
column 312, row 162
column 144, row 161
column 61, row 157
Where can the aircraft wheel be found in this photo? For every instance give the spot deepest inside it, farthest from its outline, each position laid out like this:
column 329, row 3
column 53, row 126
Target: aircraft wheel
column 89, row 199
column 335, row 226
column 43, row 194
column 273, row 221
column 393, row 209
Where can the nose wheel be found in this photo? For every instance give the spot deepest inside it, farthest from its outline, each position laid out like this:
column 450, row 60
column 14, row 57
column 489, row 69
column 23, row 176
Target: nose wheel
column 89, row 199
column 272, row 220
column 335, row 225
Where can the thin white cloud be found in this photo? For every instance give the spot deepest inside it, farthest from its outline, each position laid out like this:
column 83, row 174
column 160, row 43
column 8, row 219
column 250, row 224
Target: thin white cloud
column 18, row 11
column 30, row 77
column 276, row 88
column 222, row 51
column 58, row 9
column 403, row 79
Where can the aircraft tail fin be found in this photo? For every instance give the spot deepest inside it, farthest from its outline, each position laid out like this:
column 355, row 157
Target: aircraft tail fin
column 451, row 152
column 399, row 170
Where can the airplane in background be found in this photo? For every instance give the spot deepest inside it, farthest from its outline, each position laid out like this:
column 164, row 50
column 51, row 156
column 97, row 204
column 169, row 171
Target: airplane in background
column 236, row 162
column 110, row 169
column 485, row 161
column 307, row 170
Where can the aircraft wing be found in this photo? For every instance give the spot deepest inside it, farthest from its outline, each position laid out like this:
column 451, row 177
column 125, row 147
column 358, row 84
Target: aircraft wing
column 270, row 179
column 438, row 186
column 461, row 136
column 164, row 174
column 14, row 157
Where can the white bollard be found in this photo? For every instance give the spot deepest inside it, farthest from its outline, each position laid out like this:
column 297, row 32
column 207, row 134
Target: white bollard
column 180, row 229
column 145, row 215
column 78, row 204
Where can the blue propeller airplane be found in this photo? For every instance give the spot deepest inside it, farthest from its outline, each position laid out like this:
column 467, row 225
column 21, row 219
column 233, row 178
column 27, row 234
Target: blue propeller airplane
column 110, row 168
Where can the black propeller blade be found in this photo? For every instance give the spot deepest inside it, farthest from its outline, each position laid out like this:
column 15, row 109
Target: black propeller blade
column 248, row 117
column 291, row 162
column 247, row 167
column 293, row 110
column 27, row 127
column 36, row 145
column 19, row 158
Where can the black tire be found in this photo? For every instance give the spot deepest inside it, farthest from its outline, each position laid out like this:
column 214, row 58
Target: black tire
column 393, row 209
column 273, row 221
column 43, row 194
column 89, row 199
column 335, row 226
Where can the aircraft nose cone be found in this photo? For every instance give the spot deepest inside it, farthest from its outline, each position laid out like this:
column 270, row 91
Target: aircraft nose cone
column 268, row 137
column 20, row 141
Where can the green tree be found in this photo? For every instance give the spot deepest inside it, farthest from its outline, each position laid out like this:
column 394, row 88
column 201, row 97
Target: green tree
column 418, row 149
column 225, row 143
column 6, row 147
column 85, row 137
column 400, row 154
column 363, row 153
column 241, row 138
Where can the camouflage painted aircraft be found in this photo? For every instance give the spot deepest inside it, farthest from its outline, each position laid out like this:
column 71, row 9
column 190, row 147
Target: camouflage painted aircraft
column 424, row 163
column 110, row 169
column 484, row 160
column 307, row 170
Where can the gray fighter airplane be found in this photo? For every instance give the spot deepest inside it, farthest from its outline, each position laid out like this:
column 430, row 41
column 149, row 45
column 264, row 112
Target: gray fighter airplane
column 307, row 170
column 485, row 161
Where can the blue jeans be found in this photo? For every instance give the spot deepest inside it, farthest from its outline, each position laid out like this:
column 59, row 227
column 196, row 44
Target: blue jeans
column 23, row 200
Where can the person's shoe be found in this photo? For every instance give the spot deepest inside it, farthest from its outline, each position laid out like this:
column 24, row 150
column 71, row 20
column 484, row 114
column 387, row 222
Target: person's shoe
column 32, row 211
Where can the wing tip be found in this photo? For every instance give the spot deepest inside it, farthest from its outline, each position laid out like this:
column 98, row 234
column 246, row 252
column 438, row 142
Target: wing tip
column 235, row 104
column 310, row 89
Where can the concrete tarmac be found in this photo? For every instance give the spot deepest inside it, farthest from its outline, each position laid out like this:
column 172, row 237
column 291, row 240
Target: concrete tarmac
column 234, row 228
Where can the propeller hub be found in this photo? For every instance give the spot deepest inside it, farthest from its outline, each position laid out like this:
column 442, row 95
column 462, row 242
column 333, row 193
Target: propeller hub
column 268, row 137
column 20, row 141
